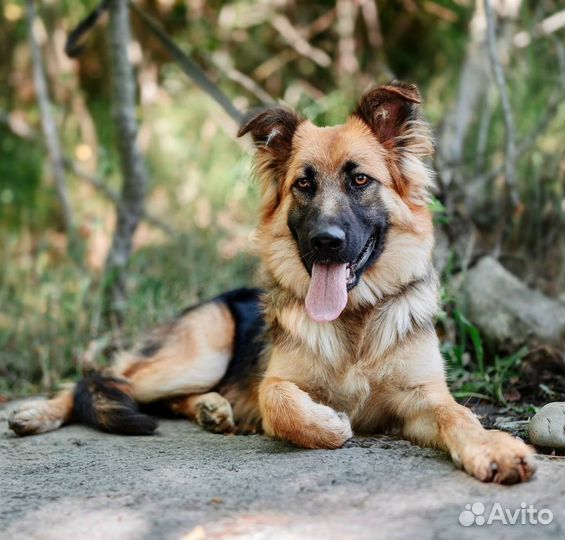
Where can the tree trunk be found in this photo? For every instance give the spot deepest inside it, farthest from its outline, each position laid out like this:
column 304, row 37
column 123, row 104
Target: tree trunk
column 474, row 81
column 134, row 174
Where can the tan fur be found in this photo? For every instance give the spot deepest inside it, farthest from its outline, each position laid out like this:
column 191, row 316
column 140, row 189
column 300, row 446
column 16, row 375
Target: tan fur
column 192, row 359
column 43, row 415
column 290, row 413
column 245, row 408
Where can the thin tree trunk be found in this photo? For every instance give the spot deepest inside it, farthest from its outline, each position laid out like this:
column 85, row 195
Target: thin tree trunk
column 500, row 80
column 347, row 64
column 130, row 210
column 473, row 84
column 370, row 12
column 49, row 127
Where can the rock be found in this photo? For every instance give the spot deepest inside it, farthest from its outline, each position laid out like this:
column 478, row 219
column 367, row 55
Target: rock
column 442, row 250
column 547, row 427
column 509, row 313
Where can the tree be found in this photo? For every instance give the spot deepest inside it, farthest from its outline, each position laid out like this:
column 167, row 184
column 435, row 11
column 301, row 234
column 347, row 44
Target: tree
column 134, row 173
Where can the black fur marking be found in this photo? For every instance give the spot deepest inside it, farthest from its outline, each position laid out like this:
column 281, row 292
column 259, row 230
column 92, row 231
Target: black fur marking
column 99, row 402
column 349, row 167
column 150, row 348
column 246, row 309
column 362, row 215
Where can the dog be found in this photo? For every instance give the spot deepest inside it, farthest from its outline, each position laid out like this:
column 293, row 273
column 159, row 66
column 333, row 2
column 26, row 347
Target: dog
column 340, row 337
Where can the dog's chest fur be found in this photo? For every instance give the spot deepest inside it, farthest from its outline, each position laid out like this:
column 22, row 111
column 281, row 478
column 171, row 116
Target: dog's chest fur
column 344, row 364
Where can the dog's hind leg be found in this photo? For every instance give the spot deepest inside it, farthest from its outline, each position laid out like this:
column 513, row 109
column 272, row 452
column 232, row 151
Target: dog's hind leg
column 188, row 356
column 41, row 416
column 210, row 410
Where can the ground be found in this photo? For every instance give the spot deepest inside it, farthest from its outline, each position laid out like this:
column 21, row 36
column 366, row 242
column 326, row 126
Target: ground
column 185, row 483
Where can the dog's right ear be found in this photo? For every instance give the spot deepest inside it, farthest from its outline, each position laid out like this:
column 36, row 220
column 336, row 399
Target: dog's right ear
column 272, row 130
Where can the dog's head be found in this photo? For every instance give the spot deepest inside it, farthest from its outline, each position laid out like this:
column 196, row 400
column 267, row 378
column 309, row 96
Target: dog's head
column 338, row 196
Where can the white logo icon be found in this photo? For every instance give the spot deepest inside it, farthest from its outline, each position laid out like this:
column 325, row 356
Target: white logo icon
column 474, row 514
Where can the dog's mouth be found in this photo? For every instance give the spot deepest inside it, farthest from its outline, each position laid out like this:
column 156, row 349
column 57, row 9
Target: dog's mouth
column 330, row 283
column 353, row 267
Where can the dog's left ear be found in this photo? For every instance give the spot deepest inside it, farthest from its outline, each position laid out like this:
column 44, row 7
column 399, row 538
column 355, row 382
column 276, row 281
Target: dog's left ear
column 389, row 109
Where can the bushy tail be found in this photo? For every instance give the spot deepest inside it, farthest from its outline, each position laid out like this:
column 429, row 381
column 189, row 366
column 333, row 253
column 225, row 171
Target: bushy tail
column 105, row 403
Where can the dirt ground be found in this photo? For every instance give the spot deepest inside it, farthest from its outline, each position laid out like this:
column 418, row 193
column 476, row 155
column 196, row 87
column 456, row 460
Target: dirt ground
column 187, row 484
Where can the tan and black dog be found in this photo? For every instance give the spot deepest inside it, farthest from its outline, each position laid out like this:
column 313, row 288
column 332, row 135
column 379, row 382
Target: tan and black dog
column 340, row 338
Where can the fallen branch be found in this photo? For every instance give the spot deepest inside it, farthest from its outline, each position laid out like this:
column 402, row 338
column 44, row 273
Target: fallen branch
column 242, row 79
column 268, row 67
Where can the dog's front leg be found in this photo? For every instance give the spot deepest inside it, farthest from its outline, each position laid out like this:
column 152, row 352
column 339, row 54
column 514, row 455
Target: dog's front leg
column 432, row 417
column 291, row 414
column 418, row 396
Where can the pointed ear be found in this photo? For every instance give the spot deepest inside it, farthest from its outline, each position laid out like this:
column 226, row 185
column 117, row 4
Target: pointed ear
column 388, row 110
column 272, row 130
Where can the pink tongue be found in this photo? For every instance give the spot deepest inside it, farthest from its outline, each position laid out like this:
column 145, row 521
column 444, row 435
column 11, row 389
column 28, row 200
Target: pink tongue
column 327, row 293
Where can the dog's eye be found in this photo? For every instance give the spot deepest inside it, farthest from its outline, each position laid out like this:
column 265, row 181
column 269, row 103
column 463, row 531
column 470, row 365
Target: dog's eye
column 360, row 180
column 303, row 184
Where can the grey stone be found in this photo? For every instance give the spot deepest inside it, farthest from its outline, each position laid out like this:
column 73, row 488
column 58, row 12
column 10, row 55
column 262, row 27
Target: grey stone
column 509, row 313
column 547, row 427
column 442, row 250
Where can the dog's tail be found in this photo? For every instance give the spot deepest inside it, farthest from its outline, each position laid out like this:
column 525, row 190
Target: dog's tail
column 105, row 403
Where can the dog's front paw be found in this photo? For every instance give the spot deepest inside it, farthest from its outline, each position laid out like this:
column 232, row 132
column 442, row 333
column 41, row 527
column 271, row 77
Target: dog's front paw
column 333, row 431
column 341, row 428
column 345, row 427
column 498, row 457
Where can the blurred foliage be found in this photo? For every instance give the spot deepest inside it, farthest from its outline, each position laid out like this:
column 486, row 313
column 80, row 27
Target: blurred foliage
column 49, row 307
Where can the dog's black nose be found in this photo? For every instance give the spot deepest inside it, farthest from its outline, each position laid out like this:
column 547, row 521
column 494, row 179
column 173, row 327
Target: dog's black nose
column 327, row 238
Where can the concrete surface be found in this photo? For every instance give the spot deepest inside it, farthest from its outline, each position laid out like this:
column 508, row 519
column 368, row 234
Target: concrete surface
column 187, row 484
